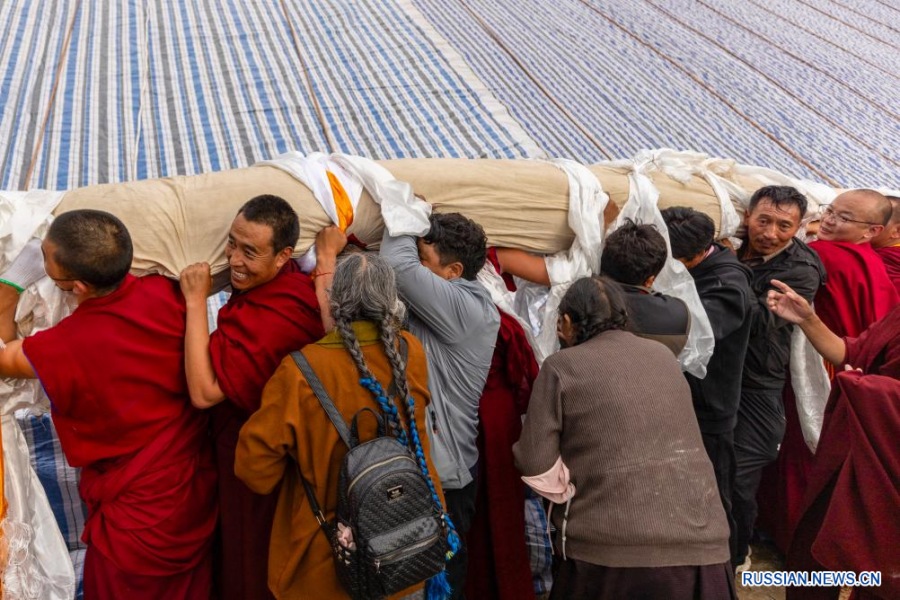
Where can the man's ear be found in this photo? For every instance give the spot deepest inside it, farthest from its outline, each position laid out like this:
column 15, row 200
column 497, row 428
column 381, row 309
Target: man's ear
column 82, row 290
column 282, row 257
column 872, row 231
column 454, row 270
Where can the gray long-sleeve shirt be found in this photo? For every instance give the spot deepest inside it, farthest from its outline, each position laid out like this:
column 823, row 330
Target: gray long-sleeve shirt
column 457, row 323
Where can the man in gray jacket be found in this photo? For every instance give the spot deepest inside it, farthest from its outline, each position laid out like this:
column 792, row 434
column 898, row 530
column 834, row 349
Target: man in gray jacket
column 456, row 321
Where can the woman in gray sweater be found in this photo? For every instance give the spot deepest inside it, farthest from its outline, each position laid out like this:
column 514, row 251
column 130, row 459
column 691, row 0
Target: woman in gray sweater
column 611, row 435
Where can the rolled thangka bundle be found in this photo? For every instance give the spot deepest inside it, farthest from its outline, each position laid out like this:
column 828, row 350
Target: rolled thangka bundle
column 178, row 221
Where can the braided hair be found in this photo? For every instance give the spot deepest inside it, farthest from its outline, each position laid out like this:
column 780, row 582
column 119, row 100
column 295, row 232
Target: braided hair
column 595, row 305
column 364, row 289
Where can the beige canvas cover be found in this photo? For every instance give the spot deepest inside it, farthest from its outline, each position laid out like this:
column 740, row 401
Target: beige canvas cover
column 178, row 221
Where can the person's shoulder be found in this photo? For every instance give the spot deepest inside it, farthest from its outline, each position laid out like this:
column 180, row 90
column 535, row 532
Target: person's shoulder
column 657, row 313
column 484, row 313
column 415, row 346
column 159, row 286
column 799, row 260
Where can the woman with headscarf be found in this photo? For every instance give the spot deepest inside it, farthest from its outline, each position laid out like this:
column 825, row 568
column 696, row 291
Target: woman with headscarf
column 611, row 435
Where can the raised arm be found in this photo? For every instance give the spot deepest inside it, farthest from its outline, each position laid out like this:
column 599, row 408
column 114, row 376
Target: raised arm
column 524, row 265
column 329, row 244
column 790, row 306
column 443, row 306
column 196, row 284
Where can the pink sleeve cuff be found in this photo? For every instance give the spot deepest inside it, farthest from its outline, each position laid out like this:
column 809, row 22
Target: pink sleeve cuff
column 554, row 485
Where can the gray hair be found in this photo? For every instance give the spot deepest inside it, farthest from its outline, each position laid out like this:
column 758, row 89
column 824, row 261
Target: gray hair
column 364, row 289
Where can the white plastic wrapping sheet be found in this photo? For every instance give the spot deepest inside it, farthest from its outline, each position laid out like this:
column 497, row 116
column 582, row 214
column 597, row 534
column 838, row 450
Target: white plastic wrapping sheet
column 539, row 305
column 811, row 386
column 312, row 171
column 39, row 566
column 403, row 213
column 674, row 279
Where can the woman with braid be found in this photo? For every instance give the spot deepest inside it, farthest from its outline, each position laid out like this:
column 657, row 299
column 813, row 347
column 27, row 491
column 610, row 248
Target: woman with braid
column 611, row 436
column 291, row 429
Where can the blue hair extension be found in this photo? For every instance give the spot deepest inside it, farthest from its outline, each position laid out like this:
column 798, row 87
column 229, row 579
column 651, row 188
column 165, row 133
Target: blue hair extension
column 437, row 587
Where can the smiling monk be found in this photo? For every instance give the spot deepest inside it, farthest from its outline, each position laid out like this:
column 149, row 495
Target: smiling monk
column 273, row 310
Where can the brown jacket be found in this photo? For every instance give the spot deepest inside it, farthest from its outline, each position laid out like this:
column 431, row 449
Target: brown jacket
column 291, row 427
column 618, row 411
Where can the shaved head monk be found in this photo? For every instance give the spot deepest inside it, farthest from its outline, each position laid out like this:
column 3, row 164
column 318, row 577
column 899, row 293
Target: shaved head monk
column 857, row 293
column 114, row 373
column 887, row 243
column 273, row 310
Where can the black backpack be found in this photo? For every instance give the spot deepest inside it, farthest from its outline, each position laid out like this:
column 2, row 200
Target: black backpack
column 386, row 502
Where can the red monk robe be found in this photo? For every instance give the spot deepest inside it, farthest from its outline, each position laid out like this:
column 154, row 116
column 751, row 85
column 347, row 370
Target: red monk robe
column 857, row 292
column 114, row 373
column 499, row 565
column 849, row 522
column 256, row 330
column 890, row 255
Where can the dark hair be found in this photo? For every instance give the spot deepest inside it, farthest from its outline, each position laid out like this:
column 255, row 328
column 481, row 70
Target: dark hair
column 690, row 231
column 456, row 238
column 275, row 212
column 92, row 246
column 595, row 305
column 633, row 253
column 780, row 196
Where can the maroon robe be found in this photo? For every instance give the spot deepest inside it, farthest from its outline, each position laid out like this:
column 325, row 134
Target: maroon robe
column 890, row 255
column 256, row 330
column 857, row 292
column 114, row 373
column 499, row 565
column 850, row 518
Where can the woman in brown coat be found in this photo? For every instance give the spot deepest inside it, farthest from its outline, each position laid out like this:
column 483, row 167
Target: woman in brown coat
column 291, row 428
column 611, row 435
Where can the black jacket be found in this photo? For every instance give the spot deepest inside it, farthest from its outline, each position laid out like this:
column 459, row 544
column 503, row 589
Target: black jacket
column 723, row 285
column 655, row 316
column 769, row 350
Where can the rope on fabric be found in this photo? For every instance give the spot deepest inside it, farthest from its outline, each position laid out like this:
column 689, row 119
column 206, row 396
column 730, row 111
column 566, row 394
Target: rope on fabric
column 51, row 101
column 699, row 81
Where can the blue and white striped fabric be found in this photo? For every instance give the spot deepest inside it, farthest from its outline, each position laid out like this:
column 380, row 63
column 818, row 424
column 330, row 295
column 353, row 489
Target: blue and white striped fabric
column 96, row 92
column 591, row 80
column 99, row 92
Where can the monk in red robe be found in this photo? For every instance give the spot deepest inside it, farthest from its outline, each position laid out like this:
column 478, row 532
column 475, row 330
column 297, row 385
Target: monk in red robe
column 887, row 243
column 857, row 292
column 273, row 310
column 849, row 513
column 499, row 565
column 114, row 373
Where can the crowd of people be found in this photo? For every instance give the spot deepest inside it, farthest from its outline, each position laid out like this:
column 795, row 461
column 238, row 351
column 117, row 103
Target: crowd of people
column 202, row 455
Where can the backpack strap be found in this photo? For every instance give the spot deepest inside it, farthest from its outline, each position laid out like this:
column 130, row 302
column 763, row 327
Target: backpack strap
column 337, row 419
column 324, row 399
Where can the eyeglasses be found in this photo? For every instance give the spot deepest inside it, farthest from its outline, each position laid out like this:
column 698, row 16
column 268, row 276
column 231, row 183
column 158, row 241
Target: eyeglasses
column 829, row 212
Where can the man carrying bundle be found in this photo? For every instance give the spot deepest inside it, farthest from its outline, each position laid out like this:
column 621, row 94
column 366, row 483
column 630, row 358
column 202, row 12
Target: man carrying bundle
column 273, row 310
column 114, row 373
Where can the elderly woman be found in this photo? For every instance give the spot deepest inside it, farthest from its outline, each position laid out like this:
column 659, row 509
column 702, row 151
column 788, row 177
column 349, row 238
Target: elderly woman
column 611, row 435
column 291, row 428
